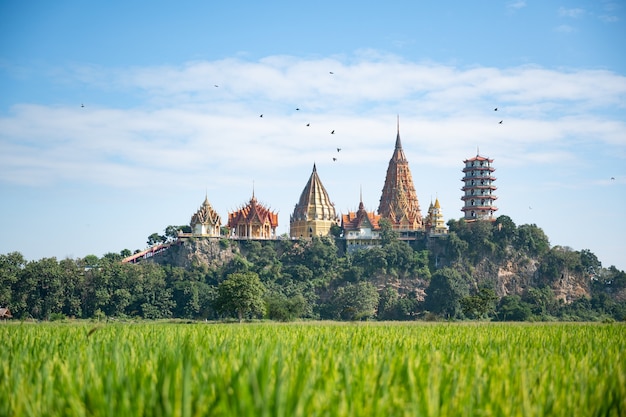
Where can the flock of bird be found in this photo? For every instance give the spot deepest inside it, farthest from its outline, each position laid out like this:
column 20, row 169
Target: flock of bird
column 333, row 131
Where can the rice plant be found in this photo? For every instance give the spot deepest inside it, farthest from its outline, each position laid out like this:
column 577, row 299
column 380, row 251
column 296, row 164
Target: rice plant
column 313, row 369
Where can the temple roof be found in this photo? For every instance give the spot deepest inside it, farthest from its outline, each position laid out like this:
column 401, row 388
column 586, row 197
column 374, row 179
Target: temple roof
column 478, row 158
column 314, row 203
column 356, row 220
column 253, row 212
column 398, row 201
column 206, row 214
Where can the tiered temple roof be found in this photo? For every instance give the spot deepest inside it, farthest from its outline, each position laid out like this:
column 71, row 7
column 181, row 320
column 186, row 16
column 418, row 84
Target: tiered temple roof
column 315, row 213
column 359, row 220
column 253, row 221
column 399, row 202
column 361, row 229
column 206, row 221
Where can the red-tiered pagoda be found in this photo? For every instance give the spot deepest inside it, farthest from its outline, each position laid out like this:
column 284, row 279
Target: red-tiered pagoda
column 478, row 190
column 253, row 221
column 398, row 202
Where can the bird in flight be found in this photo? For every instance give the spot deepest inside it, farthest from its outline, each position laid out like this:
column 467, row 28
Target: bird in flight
column 82, row 105
column 308, row 124
column 331, row 72
column 297, row 108
column 216, row 85
column 338, row 149
column 261, row 115
column 500, row 122
column 332, row 133
column 334, row 159
column 496, row 109
column 613, row 178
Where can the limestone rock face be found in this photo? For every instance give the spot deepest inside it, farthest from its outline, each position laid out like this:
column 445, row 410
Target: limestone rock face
column 212, row 252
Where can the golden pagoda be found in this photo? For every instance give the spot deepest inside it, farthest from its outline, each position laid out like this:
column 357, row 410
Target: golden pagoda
column 253, row 221
column 435, row 223
column 206, row 221
column 398, row 202
column 314, row 215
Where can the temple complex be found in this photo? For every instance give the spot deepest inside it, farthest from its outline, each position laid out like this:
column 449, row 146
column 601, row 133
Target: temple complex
column 435, row 223
column 360, row 229
column 478, row 189
column 253, row 221
column 398, row 202
column 314, row 215
column 206, row 221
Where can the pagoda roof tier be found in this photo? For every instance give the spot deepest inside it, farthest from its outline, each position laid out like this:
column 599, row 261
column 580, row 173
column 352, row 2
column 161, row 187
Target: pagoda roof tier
column 487, row 168
column 477, row 177
column 478, row 158
column 479, row 197
column 480, row 208
column 479, row 187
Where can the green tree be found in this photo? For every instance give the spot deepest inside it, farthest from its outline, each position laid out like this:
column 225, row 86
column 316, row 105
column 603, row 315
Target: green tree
column 443, row 295
column 241, row 295
column 155, row 239
column 72, row 283
column 43, row 288
column 532, row 240
column 283, row 308
column 480, row 305
column 387, row 234
column 505, row 231
column 512, row 308
column 11, row 266
column 355, row 301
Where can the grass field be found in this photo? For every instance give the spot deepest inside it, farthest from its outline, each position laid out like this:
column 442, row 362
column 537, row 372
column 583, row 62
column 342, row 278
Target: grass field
column 313, row 369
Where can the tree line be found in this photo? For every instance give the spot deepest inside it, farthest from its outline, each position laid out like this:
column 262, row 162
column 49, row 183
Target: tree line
column 316, row 279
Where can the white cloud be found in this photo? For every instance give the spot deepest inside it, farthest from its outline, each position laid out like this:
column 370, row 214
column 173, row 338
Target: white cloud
column 572, row 13
column 186, row 126
column 175, row 136
column 564, row 29
column 516, row 4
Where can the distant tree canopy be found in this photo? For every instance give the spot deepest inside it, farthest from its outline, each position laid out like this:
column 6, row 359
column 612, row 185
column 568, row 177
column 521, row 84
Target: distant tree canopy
column 314, row 278
column 241, row 294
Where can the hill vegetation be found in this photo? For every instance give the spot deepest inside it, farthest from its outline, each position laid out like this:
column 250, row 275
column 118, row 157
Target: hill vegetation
column 480, row 271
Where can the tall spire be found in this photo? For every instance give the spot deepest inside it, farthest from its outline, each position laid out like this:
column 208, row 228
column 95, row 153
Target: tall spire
column 399, row 202
column 398, row 143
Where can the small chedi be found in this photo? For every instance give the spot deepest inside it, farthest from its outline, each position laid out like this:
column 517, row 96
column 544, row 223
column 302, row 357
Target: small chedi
column 435, row 223
column 314, row 215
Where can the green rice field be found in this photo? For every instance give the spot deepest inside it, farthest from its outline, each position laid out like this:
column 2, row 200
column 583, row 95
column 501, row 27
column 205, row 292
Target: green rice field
column 312, row 369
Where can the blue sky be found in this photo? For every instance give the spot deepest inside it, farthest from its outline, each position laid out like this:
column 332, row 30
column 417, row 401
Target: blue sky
column 172, row 94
